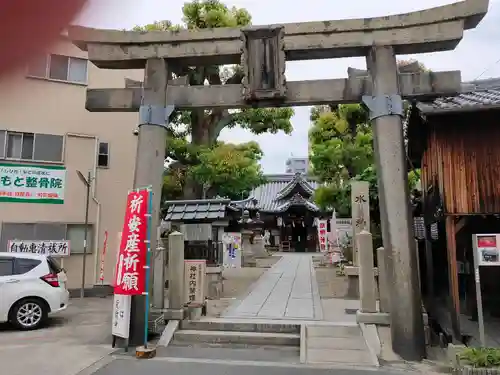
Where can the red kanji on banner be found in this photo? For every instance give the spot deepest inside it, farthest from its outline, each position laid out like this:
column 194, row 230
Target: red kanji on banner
column 130, row 273
column 322, row 225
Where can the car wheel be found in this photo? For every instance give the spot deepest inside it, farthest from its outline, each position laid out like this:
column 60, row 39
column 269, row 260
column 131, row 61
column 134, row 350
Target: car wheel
column 29, row 314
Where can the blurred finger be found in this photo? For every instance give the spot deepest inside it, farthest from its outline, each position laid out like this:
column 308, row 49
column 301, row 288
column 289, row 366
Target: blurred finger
column 29, row 27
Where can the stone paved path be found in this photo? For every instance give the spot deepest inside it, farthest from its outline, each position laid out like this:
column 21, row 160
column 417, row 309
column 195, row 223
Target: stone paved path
column 286, row 291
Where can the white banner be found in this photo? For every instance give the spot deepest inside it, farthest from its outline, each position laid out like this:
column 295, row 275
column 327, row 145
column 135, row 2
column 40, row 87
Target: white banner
column 323, row 235
column 121, row 316
column 32, row 183
column 232, row 249
column 59, row 248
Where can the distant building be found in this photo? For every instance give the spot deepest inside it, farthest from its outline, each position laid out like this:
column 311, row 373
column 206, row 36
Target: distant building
column 297, row 165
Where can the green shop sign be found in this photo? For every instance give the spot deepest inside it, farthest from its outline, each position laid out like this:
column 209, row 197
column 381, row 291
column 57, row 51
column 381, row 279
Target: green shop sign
column 32, row 183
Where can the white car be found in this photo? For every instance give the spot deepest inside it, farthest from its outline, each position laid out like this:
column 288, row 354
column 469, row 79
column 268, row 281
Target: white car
column 31, row 287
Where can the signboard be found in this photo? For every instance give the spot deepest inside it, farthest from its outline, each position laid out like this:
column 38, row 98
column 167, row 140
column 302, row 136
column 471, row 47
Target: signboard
column 488, row 251
column 195, row 275
column 130, row 273
column 120, row 323
column 59, row 248
column 32, row 183
column 232, row 249
column 322, row 235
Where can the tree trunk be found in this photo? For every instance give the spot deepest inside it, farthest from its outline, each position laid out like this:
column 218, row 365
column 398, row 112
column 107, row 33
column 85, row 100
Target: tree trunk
column 202, row 134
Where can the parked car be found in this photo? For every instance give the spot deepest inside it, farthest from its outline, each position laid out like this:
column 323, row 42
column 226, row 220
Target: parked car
column 31, row 287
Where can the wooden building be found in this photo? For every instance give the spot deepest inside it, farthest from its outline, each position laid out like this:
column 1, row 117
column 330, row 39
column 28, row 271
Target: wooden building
column 455, row 142
column 202, row 221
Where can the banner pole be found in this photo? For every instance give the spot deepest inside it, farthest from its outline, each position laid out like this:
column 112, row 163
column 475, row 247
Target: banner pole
column 148, row 267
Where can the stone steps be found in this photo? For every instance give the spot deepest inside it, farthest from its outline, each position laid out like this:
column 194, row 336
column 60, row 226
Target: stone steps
column 237, row 333
column 335, row 345
column 236, row 337
column 235, row 326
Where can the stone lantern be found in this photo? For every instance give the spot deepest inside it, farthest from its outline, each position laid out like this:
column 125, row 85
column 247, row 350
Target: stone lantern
column 251, row 228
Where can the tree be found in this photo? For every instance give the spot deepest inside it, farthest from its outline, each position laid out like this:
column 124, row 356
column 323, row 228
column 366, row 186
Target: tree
column 341, row 141
column 229, row 170
column 204, row 126
column 226, row 170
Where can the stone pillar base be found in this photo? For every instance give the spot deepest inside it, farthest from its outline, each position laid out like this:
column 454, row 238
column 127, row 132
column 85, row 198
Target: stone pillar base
column 352, row 273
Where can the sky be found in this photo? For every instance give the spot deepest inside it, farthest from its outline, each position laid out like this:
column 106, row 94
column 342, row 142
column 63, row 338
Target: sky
column 477, row 56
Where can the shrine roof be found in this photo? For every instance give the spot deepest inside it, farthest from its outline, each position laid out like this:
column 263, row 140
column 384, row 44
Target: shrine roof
column 297, row 200
column 298, row 180
column 268, row 194
column 198, row 209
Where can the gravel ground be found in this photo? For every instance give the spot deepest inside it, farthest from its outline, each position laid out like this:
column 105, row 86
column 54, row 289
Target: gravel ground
column 329, row 284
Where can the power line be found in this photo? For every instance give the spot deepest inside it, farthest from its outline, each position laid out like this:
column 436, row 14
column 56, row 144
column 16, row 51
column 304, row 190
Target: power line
column 487, row 69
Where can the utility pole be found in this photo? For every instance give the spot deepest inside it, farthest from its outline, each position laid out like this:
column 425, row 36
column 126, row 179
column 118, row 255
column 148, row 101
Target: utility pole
column 386, row 111
column 87, row 182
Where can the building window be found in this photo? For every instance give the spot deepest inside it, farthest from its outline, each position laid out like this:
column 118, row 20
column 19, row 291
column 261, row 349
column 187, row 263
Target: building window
column 75, row 234
column 60, row 68
column 103, row 156
column 31, row 146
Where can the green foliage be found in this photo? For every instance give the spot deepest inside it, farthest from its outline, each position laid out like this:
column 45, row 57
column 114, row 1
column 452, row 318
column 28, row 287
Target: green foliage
column 228, row 169
column 204, row 126
column 341, row 142
column 481, row 357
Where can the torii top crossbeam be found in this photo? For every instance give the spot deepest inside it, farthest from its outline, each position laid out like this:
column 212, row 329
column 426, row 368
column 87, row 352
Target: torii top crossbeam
column 435, row 29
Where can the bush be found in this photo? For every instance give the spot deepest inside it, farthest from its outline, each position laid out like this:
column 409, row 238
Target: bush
column 481, row 357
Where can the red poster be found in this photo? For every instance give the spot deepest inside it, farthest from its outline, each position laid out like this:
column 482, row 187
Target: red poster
column 130, row 268
column 486, row 241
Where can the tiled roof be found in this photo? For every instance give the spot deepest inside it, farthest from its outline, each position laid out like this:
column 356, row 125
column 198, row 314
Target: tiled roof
column 267, row 193
column 201, row 209
column 463, row 102
column 298, row 179
column 479, row 94
column 297, row 200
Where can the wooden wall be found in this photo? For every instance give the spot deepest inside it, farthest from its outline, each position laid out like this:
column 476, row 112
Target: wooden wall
column 462, row 157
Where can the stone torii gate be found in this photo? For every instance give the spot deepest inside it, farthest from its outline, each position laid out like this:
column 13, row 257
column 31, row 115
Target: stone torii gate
column 262, row 52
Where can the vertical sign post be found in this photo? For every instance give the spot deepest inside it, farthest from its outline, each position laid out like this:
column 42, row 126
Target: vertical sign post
column 131, row 265
column 486, row 253
column 148, row 267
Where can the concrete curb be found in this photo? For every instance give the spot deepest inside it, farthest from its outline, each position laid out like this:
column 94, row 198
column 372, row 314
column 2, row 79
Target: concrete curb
column 97, row 365
column 168, row 333
column 303, row 343
column 317, row 306
column 372, row 341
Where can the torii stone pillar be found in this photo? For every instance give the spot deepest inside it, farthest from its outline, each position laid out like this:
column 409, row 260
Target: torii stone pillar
column 150, row 159
column 386, row 110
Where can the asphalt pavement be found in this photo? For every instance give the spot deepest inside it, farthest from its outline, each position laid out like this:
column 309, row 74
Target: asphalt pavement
column 185, row 366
